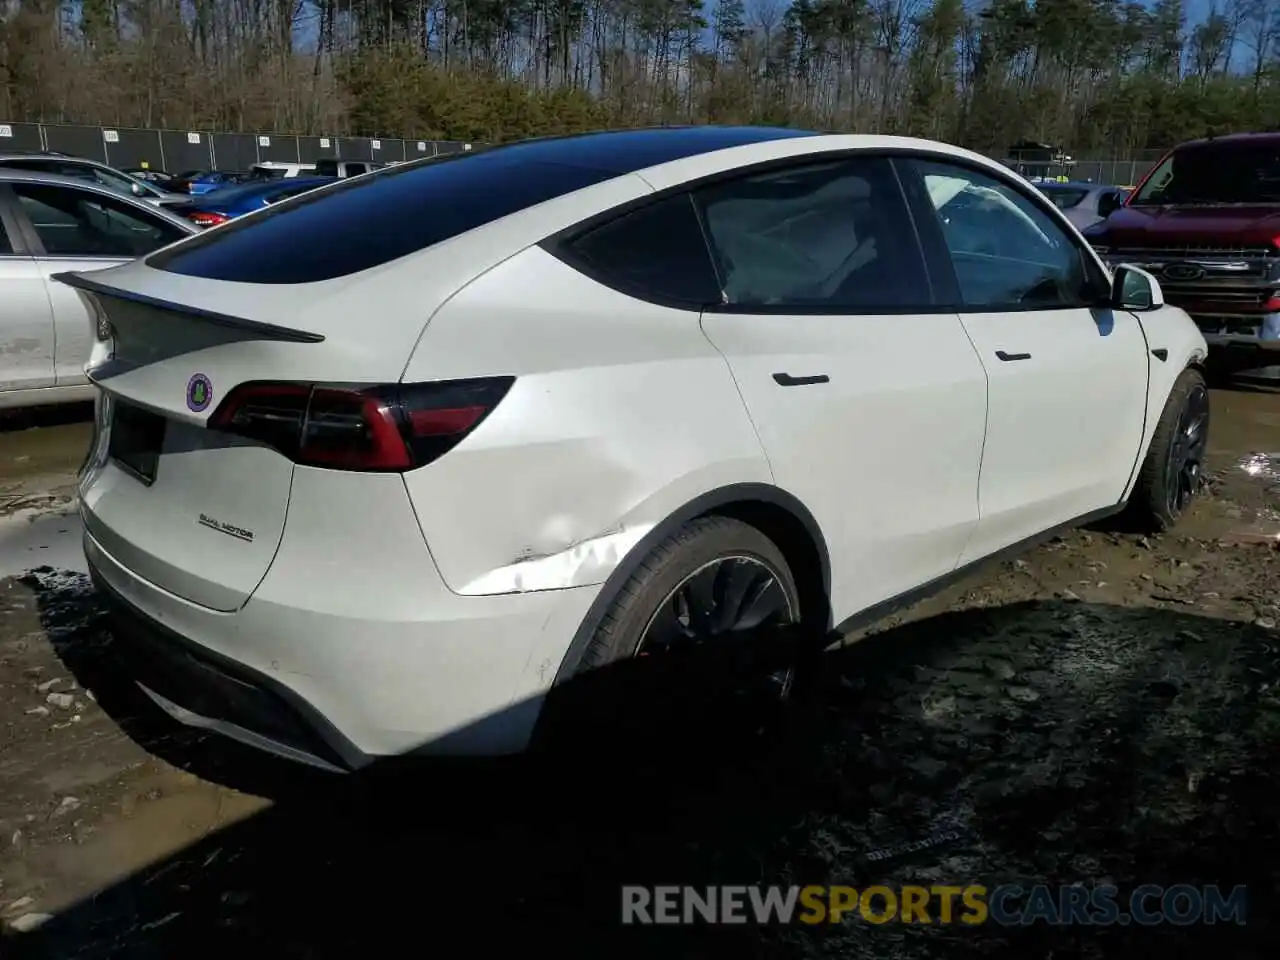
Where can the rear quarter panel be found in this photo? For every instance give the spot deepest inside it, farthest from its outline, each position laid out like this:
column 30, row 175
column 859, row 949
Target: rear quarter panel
column 621, row 413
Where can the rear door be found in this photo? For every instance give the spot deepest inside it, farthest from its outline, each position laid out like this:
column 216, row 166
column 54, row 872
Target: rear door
column 868, row 398
column 26, row 320
column 74, row 229
column 1068, row 378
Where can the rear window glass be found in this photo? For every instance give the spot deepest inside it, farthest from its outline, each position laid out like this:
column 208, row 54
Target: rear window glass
column 655, row 252
column 1064, row 198
column 369, row 221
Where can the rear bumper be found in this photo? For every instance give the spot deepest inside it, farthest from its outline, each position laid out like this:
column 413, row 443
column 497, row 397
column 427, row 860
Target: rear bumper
column 201, row 688
column 465, row 676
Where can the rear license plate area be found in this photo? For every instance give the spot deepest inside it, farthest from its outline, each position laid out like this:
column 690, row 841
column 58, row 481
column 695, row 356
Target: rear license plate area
column 136, row 439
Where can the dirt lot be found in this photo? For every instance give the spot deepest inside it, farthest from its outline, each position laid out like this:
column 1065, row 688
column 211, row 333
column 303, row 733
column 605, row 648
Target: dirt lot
column 1104, row 710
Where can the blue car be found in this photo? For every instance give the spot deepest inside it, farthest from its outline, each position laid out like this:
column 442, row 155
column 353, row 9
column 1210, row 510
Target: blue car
column 199, row 182
column 226, row 203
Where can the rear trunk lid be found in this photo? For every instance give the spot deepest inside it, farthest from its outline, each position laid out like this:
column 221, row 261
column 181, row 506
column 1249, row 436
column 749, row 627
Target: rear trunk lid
column 193, row 510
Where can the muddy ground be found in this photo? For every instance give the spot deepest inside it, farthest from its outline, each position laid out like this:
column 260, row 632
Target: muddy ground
column 1106, row 709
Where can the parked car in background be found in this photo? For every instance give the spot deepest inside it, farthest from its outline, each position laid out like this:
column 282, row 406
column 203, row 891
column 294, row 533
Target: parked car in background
column 47, row 224
column 1206, row 221
column 161, row 178
column 93, row 172
column 230, row 202
column 299, row 513
column 199, row 182
column 1083, row 203
column 345, row 168
column 274, row 169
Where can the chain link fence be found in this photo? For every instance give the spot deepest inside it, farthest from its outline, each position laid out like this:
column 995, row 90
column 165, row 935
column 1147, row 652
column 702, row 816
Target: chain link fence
column 1053, row 164
column 178, row 151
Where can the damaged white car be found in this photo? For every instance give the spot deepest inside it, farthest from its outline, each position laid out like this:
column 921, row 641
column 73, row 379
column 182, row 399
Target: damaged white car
column 380, row 466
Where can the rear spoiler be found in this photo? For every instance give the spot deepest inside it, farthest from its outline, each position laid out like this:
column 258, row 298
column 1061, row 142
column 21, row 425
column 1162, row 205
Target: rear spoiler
column 268, row 331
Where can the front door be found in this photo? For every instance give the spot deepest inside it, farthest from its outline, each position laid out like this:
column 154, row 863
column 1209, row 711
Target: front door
column 1068, row 377
column 869, row 401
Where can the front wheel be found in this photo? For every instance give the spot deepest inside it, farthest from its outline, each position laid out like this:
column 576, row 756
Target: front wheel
column 1173, row 472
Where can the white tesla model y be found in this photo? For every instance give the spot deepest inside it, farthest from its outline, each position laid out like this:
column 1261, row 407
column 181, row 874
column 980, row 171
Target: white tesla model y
column 380, row 466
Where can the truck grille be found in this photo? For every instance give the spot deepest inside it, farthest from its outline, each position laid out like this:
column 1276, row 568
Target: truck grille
column 1217, row 293
column 1218, row 279
column 1207, row 252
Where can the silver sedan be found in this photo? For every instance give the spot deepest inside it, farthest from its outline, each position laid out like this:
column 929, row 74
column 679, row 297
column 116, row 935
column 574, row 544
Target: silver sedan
column 48, row 224
column 1084, row 203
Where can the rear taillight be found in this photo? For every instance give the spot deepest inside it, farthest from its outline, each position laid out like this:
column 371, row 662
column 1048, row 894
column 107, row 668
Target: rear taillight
column 384, row 428
column 203, row 218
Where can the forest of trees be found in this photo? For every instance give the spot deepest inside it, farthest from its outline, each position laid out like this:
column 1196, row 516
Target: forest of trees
column 1100, row 77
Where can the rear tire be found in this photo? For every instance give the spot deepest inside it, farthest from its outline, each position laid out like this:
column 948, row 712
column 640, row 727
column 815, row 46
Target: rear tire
column 662, row 654
column 1172, row 473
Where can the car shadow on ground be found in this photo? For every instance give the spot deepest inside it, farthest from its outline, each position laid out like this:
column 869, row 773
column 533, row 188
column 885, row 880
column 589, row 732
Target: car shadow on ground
column 1041, row 742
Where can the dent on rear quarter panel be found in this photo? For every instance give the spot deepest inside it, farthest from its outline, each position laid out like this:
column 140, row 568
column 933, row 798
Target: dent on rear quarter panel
column 621, row 412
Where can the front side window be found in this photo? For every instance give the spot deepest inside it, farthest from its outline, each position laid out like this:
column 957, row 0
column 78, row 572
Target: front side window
column 654, row 252
column 79, row 171
column 112, row 181
column 831, row 236
column 77, row 223
column 1007, row 252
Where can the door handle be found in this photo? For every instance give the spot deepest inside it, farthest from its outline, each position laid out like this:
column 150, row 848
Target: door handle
column 1012, row 356
column 787, row 380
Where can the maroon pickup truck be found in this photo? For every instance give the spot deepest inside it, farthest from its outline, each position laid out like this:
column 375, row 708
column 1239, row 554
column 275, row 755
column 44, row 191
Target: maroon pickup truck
column 1206, row 222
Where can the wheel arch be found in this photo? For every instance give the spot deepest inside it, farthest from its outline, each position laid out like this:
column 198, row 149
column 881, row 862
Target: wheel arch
column 771, row 510
column 1158, row 398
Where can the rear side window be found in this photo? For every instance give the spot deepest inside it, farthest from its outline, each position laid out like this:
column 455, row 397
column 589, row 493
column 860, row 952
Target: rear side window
column 326, row 168
column 362, row 223
column 656, row 252
column 355, row 169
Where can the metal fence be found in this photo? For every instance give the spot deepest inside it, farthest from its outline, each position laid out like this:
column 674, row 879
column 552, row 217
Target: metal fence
column 1121, row 173
column 1053, row 164
column 181, row 150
